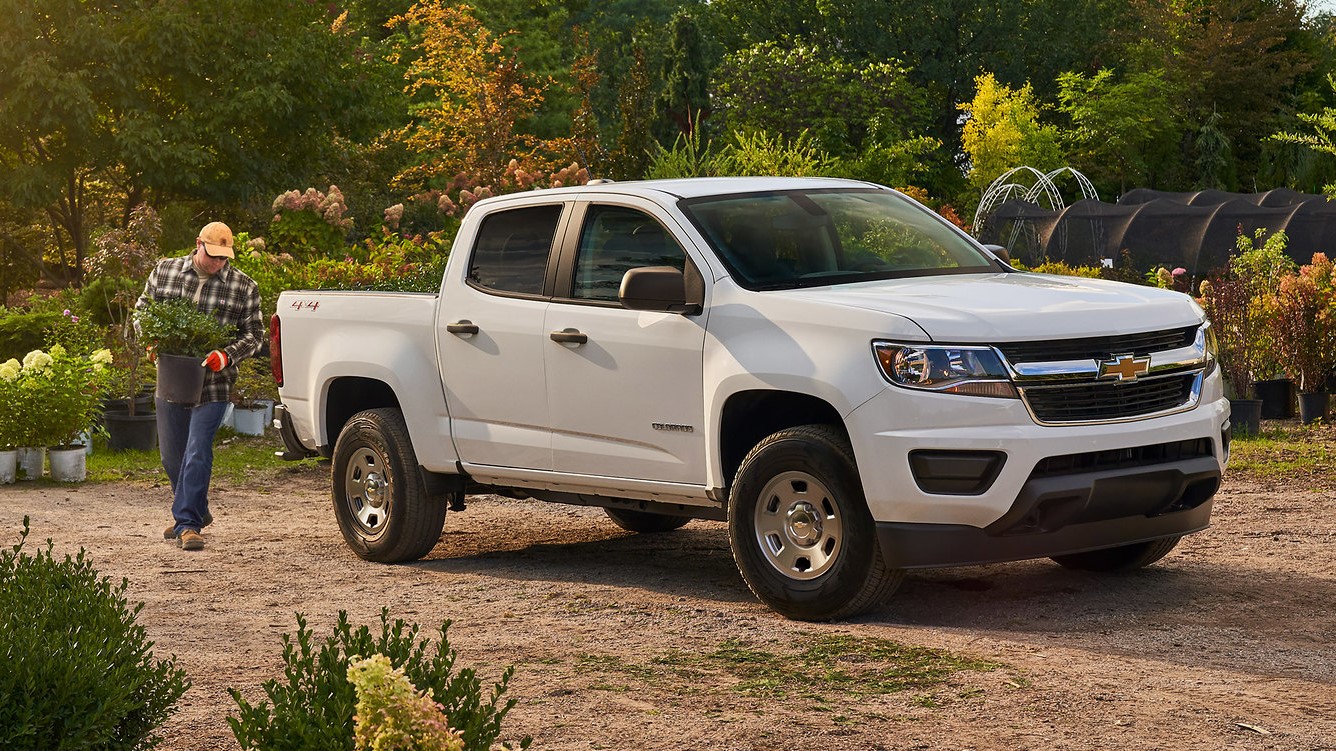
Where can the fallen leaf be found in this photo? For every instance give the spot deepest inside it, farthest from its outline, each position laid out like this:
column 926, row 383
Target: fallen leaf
column 1254, row 728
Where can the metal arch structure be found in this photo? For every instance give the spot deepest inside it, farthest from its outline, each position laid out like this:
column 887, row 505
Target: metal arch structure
column 1004, row 188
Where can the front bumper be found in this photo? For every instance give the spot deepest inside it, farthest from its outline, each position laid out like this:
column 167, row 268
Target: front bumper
column 1067, row 514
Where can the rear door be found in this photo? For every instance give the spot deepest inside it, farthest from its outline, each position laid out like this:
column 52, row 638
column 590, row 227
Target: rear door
column 490, row 340
column 624, row 387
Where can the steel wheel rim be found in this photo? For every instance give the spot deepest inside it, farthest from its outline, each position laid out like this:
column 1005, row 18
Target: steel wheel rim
column 367, row 492
column 799, row 528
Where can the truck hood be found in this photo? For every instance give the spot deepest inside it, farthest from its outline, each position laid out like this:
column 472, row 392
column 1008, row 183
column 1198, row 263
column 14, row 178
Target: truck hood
column 987, row 308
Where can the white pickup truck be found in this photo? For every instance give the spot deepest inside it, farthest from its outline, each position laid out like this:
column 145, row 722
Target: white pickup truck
column 853, row 384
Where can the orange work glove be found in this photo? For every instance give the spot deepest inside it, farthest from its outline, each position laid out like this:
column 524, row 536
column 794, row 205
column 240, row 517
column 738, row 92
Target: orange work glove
column 216, row 360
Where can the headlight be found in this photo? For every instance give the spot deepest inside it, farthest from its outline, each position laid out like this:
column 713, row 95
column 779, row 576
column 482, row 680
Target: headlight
column 1207, row 343
column 976, row 371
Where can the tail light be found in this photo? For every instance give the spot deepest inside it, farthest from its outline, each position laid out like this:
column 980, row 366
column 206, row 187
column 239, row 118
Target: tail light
column 275, row 349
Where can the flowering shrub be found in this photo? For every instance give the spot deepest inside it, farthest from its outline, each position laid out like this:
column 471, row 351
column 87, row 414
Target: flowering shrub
column 392, row 715
column 53, row 397
column 312, row 707
column 309, row 224
column 1304, row 324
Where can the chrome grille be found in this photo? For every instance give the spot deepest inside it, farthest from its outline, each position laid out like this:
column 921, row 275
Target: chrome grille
column 1094, row 401
column 1099, row 347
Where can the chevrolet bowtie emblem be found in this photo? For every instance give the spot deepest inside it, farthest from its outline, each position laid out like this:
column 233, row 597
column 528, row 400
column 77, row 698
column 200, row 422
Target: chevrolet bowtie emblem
column 1124, row 367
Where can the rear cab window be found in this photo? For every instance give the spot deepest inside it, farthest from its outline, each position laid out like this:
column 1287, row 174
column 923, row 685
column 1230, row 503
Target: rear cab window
column 511, row 251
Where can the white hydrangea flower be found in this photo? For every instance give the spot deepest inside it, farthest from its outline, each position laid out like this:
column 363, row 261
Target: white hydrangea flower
column 9, row 370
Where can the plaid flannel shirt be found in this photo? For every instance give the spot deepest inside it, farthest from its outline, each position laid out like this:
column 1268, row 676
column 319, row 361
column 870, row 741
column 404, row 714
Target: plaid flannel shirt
column 230, row 295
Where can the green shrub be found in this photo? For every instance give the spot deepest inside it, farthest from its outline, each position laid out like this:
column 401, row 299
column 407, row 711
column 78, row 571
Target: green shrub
column 177, row 327
column 22, row 332
column 78, row 671
column 313, row 708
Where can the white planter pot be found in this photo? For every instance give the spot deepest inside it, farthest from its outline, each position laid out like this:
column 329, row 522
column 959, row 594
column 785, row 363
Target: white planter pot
column 68, row 464
column 227, row 417
column 30, row 461
column 9, row 465
column 248, row 420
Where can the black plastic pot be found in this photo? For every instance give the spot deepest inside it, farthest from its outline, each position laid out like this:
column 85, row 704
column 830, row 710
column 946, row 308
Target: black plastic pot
column 180, row 378
column 1245, row 417
column 1277, row 397
column 124, row 432
column 1313, row 407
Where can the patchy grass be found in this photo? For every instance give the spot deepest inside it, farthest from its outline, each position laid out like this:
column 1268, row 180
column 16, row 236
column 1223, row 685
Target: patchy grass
column 822, row 668
column 1285, row 449
column 236, row 459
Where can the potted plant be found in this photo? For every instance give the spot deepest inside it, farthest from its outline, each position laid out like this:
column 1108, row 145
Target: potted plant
column 11, row 420
column 1304, row 329
column 249, row 394
column 1261, row 263
column 1238, row 330
column 180, row 335
column 62, row 392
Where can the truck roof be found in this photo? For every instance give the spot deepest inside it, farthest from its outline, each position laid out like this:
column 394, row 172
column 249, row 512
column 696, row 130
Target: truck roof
column 694, row 187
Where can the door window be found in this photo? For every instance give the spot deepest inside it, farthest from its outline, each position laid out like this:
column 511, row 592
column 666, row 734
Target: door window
column 615, row 240
column 510, row 254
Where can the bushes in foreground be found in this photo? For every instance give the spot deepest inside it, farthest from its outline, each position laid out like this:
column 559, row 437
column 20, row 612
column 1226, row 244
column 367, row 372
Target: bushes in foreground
column 313, row 708
column 78, row 671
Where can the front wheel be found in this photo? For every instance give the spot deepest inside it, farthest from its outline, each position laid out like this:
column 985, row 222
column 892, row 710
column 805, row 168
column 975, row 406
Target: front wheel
column 380, row 501
column 800, row 528
column 1122, row 558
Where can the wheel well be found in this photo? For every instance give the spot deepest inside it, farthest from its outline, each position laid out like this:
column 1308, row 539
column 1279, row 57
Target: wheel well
column 749, row 416
column 347, row 397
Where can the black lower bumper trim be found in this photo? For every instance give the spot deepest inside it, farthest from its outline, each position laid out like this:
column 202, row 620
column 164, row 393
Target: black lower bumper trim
column 906, row 545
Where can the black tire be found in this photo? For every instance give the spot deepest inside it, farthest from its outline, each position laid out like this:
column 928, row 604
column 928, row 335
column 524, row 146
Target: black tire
column 380, row 501
column 800, row 528
column 645, row 522
column 1122, row 558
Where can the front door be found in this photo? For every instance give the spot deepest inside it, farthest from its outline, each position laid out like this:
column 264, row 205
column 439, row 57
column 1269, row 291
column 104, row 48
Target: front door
column 624, row 387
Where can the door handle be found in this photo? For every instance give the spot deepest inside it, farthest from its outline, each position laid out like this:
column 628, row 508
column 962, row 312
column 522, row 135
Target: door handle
column 569, row 336
column 462, row 328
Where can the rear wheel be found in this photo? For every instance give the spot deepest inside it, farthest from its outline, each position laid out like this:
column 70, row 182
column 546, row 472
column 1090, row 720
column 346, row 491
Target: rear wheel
column 646, row 522
column 800, row 528
column 380, row 501
column 1122, row 558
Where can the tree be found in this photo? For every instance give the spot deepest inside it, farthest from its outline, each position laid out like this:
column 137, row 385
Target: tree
column 141, row 97
column 791, row 90
column 1002, row 130
column 1121, row 130
column 685, row 100
column 470, row 94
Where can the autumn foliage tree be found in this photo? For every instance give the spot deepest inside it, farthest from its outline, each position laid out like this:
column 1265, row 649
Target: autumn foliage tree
column 469, row 94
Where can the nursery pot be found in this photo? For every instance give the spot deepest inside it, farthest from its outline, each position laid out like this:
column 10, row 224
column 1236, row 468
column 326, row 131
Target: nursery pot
column 125, row 432
column 1245, row 415
column 180, row 379
column 1277, row 397
column 248, row 420
column 1313, row 407
column 68, row 463
column 30, row 463
column 9, row 465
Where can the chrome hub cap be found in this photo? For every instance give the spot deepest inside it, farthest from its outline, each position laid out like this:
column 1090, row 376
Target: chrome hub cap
column 367, row 491
column 798, row 525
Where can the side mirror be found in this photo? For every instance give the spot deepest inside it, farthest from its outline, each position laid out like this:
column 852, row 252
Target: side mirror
column 1000, row 252
column 659, row 289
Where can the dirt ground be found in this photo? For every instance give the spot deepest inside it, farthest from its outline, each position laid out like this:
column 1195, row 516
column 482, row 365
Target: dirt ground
column 625, row 641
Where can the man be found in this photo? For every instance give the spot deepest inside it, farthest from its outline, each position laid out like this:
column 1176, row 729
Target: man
column 186, row 432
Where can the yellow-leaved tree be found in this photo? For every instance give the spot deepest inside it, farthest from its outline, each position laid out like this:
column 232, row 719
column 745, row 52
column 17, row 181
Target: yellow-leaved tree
column 1002, row 131
column 469, row 94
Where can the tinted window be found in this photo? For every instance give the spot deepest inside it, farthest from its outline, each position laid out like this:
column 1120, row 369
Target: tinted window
column 510, row 254
column 614, row 241
column 811, row 238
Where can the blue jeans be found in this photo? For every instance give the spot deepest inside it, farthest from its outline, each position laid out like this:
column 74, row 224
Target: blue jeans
column 185, row 441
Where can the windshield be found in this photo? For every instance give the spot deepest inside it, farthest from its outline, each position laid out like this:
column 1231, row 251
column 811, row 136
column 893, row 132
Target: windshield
column 809, row 238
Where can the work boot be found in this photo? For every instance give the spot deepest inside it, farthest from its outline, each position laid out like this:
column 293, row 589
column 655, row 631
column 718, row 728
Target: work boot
column 170, row 532
column 189, row 539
